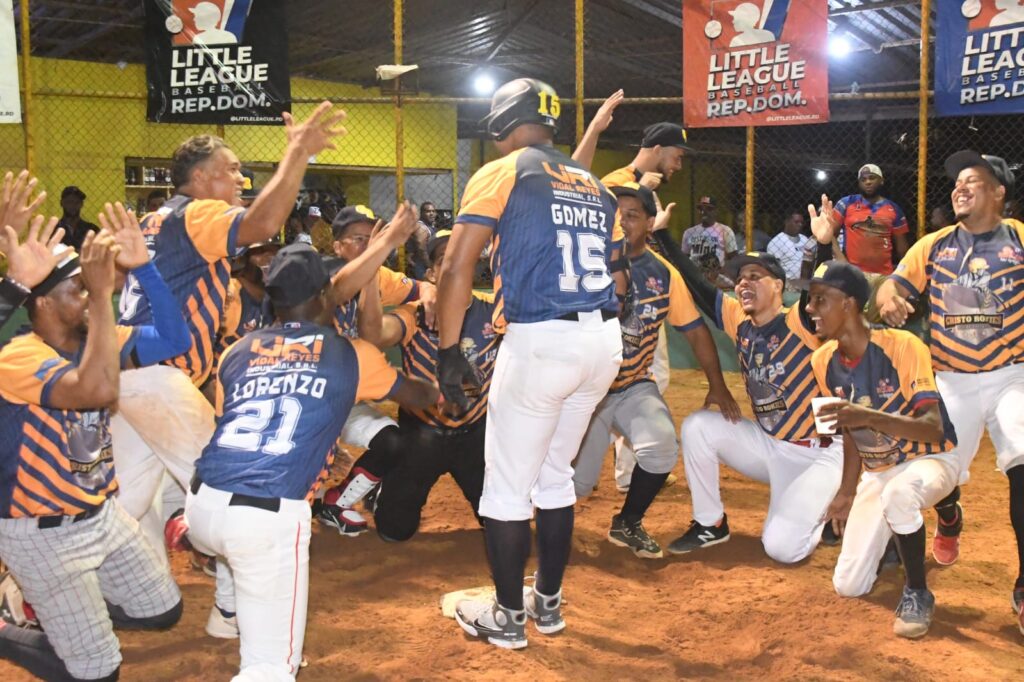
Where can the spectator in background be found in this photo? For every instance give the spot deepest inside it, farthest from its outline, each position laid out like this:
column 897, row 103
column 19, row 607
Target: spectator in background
column 788, row 245
column 709, row 243
column 416, row 260
column 155, row 200
column 939, row 218
column 761, row 238
column 71, row 201
column 428, row 218
column 249, row 191
column 871, row 231
column 313, row 216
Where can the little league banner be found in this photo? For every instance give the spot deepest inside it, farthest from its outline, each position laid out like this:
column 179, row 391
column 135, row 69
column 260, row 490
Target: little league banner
column 755, row 62
column 979, row 57
column 10, row 98
column 217, row 61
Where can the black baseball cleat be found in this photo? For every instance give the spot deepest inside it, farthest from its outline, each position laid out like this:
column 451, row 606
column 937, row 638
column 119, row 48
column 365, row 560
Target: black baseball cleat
column 698, row 537
column 632, row 535
column 829, row 538
column 347, row 522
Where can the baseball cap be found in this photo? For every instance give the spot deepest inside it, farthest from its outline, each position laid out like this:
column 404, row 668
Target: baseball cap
column 644, row 194
column 846, row 278
column 249, row 190
column 296, row 275
column 706, row 201
column 765, row 260
column 439, row 239
column 314, row 212
column 66, row 268
column 274, row 242
column 968, row 158
column 665, row 134
column 870, row 168
column 72, row 190
column 351, row 215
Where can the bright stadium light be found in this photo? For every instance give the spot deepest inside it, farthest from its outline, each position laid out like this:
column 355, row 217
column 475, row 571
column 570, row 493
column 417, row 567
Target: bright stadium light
column 483, row 84
column 821, row 176
column 839, row 46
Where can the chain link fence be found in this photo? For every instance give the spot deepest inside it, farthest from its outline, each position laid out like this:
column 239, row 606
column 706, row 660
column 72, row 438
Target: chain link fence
column 85, row 126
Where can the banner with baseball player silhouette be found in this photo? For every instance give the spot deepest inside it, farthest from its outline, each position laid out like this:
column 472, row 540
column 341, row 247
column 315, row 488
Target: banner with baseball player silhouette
column 10, row 98
column 755, row 62
column 979, row 57
column 217, row 61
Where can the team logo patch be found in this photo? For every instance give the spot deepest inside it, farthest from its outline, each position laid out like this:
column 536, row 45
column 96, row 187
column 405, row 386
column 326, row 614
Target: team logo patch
column 884, row 389
column 488, row 331
column 655, row 285
column 774, row 343
column 946, row 255
column 1011, row 254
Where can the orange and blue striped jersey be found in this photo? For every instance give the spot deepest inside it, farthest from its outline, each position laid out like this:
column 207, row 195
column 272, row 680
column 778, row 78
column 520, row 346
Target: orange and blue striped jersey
column 775, row 360
column 554, row 231
column 895, row 376
column 975, row 285
column 657, row 293
column 52, row 461
column 478, row 342
column 395, row 289
column 190, row 241
column 243, row 313
column 283, row 396
column 621, row 176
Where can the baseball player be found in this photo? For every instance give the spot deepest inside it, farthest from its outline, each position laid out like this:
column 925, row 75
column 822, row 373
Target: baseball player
column 283, row 394
column 774, row 346
column 77, row 555
column 973, row 277
column 191, row 238
column 893, row 421
column 634, row 405
column 366, row 427
column 557, row 269
column 433, row 442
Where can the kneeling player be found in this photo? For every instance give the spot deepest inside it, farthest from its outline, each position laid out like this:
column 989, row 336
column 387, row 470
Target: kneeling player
column 432, row 442
column 893, row 421
column 634, row 406
column 283, row 393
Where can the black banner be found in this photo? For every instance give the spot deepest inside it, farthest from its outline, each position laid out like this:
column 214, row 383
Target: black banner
column 217, row 61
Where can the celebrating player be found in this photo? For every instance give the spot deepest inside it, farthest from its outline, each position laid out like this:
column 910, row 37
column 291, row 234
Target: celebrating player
column 893, row 421
column 284, row 393
column 79, row 558
column 191, row 238
column 973, row 277
column 634, row 406
column 551, row 229
column 774, row 346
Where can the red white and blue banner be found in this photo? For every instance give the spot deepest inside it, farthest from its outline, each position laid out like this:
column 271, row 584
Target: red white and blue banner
column 217, row 61
column 755, row 62
column 979, row 57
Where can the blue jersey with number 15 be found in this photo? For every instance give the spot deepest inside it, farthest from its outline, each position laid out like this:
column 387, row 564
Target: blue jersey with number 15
column 554, row 231
column 283, row 395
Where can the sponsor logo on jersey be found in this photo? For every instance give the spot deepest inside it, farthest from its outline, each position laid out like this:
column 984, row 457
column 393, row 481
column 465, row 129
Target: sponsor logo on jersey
column 1011, row 254
column 488, row 331
column 884, row 389
column 945, row 255
column 655, row 285
column 304, row 349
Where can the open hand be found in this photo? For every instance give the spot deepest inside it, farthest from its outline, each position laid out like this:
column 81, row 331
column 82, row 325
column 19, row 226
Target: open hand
column 30, row 262
column 16, row 202
column 721, row 397
column 318, row 132
column 603, row 117
column 97, row 262
column 124, row 227
column 661, row 220
column 822, row 225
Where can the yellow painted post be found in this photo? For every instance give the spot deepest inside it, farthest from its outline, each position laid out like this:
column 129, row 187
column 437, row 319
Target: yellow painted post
column 748, row 214
column 922, row 122
column 399, row 128
column 220, row 130
column 26, row 79
column 579, row 71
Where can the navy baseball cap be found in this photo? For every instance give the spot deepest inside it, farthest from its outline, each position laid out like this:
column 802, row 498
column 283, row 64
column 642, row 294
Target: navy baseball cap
column 296, row 275
column 644, row 194
column 665, row 134
column 249, row 190
column 439, row 239
column 765, row 260
column 67, row 267
column 846, row 278
column 350, row 215
column 968, row 158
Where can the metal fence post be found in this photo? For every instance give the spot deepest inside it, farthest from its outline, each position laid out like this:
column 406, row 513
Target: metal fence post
column 26, row 72
column 748, row 213
column 922, row 122
column 399, row 128
column 579, row 71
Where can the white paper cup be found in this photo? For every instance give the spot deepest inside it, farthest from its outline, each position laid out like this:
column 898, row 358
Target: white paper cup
column 819, row 426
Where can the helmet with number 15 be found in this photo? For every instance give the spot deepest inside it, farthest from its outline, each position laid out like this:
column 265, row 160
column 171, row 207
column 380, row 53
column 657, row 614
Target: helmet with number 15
column 523, row 100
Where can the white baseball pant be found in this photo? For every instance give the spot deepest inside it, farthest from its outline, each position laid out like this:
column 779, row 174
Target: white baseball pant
column 625, row 458
column 162, row 424
column 803, row 480
column 548, row 378
column 363, row 423
column 268, row 557
column 988, row 399
column 888, row 502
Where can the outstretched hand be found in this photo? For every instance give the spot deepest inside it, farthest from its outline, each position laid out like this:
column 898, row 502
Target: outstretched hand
column 123, row 226
column 30, row 262
column 16, row 202
column 822, row 225
column 664, row 215
column 318, row 132
column 603, row 117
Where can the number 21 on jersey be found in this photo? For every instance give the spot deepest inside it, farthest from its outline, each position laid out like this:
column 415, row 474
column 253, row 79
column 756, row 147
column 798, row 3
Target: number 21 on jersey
column 247, row 430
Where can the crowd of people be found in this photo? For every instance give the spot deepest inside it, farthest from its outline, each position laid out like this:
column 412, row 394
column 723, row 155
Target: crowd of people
column 206, row 416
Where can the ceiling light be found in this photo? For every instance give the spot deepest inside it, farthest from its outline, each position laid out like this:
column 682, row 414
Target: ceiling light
column 839, row 46
column 483, row 84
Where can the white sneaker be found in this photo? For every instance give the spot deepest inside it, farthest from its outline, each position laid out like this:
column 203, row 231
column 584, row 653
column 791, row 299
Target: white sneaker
column 492, row 622
column 220, row 626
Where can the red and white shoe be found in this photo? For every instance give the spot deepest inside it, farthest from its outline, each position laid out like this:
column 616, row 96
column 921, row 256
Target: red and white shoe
column 176, row 533
column 346, row 521
column 946, row 543
column 1018, row 607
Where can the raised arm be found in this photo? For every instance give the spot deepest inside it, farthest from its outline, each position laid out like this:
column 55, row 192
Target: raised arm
column 354, row 276
column 584, row 154
column 705, row 294
column 16, row 202
column 275, row 202
column 28, row 263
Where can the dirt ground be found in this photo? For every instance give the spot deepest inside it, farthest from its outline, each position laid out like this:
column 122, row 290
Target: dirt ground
column 725, row 613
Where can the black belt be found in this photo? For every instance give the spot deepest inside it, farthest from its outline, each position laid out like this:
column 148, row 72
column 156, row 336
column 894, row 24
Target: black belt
column 270, row 504
column 45, row 522
column 574, row 317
